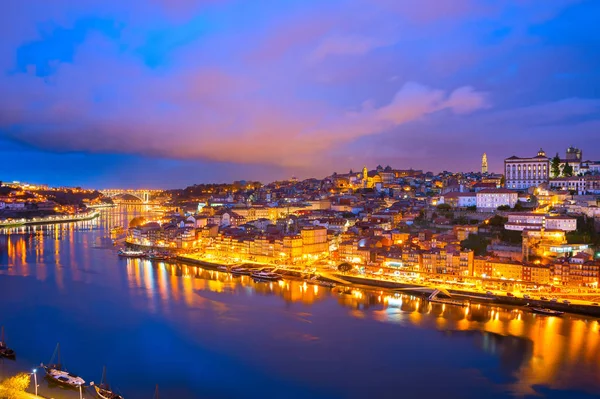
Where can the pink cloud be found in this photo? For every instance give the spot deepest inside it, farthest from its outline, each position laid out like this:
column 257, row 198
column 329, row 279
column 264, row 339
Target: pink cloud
column 345, row 45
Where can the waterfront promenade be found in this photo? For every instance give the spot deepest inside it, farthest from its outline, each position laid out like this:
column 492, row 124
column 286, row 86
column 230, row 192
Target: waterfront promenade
column 51, row 219
column 576, row 303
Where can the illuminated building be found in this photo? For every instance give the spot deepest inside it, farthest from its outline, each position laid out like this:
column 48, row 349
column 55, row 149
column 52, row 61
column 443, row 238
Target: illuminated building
column 522, row 220
column 579, row 184
column 459, row 200
column 522, row 173
column 314, row 241
column 490, row 199
column 484, row 164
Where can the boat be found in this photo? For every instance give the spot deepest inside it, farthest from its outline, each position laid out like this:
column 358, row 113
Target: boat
column 240, row 271
column 158, row 256
column 446, row 301
column 449, row 302
column 548, row 312
column 103, row 390
column 56, row 374
column 117, row 230
column 123, row 253
column 5, row 351
column 265, row 275
column 223, row 268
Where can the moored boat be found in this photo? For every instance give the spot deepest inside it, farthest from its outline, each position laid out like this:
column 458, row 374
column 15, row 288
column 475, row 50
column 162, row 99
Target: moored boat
column 158, row 256
column 223, row 268
column 266, row 275
column 239, row 271
column 449, row 302
column 5, row 351
column 548, row 312
column 123, row 253
column 56, row 374
column 103, row 390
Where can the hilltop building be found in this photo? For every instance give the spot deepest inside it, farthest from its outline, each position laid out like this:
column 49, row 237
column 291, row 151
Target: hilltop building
column 522, row 173
column 484, row 164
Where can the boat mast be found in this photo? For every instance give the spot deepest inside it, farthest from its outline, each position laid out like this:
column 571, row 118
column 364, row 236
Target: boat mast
column 103, row 375
column 156, row 392
column 2, row 338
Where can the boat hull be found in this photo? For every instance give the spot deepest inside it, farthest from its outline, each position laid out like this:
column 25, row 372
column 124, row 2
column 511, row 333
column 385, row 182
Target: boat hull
column 106, row 394
column 547, row 312
column 8, row 353
column 54, row 376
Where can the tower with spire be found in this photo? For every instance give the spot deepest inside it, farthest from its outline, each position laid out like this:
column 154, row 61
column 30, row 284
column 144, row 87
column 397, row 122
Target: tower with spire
column 484, row 165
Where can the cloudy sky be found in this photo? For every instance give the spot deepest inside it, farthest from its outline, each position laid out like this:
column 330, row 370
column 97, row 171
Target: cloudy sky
column 166, row 93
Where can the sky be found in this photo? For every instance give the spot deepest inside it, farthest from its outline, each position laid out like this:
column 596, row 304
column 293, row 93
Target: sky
column 168, row 93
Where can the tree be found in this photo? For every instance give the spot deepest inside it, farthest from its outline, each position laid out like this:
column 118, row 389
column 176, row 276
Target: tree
column 444, row 207
column 472, row 208
column 518, row 206
column 567, row 170
column 504, row 208
column 477, row 243
column 344, row 267
column 555, row 166
column 14, row 387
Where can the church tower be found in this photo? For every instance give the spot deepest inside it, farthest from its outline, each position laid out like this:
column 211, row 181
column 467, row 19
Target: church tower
column 484, row 165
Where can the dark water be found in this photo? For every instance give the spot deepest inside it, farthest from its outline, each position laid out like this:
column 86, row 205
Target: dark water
column 204, row 334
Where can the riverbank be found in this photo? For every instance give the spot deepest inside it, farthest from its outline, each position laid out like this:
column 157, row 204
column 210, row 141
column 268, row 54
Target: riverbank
column 474, row 296
column 421, row 290
column 52, row 219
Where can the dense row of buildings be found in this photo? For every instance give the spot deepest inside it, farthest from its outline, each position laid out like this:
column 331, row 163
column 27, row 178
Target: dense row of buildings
column 391, row 222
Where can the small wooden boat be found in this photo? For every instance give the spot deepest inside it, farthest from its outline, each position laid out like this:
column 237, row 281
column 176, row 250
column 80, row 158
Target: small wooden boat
column 131, row 254
column 449, row 302
column 239, row 271
column 103, row 390
column 56, row 374
column 547, row 312
column 5, row 351
column 266, row 276
column 158, row 256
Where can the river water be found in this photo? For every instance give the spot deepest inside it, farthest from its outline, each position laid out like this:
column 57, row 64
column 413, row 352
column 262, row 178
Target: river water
column 204, row 334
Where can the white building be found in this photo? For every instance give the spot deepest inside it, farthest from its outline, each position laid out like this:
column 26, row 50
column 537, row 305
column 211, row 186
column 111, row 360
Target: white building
column 459, row 200
column 490, row 199
column 523, row 220
column 580, row 184
column 563, row 223
column 522, row 173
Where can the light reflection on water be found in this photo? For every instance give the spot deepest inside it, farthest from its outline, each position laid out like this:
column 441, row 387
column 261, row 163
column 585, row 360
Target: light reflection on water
column 523, row 350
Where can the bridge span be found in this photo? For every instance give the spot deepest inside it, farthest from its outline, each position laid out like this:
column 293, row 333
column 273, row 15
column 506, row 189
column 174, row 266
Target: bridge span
column 143, row 195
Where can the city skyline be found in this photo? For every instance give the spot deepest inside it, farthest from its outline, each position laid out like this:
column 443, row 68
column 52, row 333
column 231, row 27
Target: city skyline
column 199, row 91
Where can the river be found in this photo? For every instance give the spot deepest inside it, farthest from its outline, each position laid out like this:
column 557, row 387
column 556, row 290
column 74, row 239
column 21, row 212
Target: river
column 204, row 334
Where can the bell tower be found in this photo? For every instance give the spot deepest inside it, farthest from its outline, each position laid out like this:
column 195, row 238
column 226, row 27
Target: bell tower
column 484, row 165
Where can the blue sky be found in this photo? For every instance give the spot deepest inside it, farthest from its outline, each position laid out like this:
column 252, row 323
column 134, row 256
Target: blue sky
column 169, row 93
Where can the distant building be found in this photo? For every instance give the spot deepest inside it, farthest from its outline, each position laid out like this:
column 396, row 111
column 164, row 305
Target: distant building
column 522, row 220
column 579, row 184
column 522, row 173
column 459, row 200
column 484, row 164
column 490, row 199
column 573, row 154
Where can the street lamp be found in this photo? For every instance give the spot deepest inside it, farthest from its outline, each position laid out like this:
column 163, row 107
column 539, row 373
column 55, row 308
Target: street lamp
column 35, row 381
column 80, row 392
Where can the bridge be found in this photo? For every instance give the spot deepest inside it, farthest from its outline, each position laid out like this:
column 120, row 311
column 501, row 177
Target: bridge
column 142, row 195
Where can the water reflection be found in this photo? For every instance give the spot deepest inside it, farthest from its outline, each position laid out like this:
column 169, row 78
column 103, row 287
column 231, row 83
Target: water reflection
column 529, row 350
